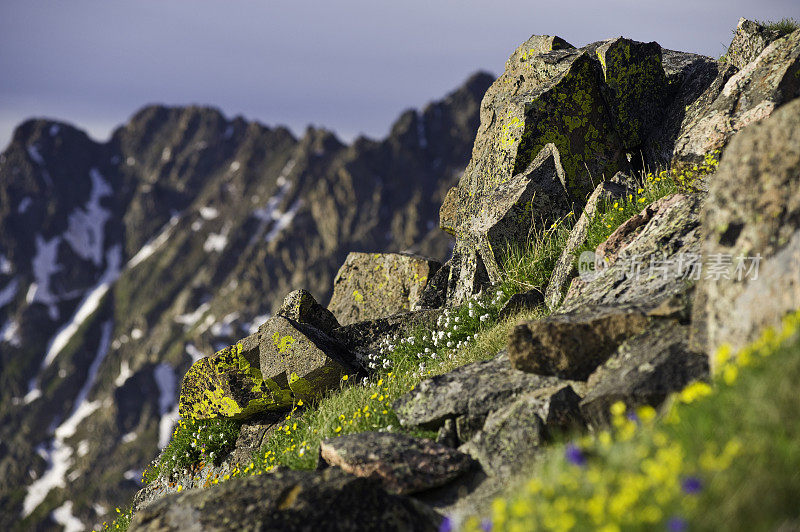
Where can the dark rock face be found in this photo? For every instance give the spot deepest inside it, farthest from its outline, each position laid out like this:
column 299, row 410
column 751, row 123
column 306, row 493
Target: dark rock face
column 571, row 346
column 520, row 302
column 365, row 337
column 644, row 371
column 753, row 210
column 288, row 500
column 188, row 228
column 749, row 40
column 402, row 464
column 376, row 285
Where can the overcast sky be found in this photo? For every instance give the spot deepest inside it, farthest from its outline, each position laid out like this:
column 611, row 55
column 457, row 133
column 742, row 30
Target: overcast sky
column 348, row 65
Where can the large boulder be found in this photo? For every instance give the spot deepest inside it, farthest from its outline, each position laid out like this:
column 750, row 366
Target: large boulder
column 645, row 370
column 751, row 221
column 309, row 361
column 375, row 285
column 512, row 436
column 290, row 501
column 231, row 384
column 750, row 95
column 572, row 345
column 749, row 40
column 635, row 87
column 545, row 96
column 402, row 464
column 647, row 261
column 467, row 395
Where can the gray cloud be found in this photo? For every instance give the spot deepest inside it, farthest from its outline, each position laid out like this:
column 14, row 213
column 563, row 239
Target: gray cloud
column 349, row 65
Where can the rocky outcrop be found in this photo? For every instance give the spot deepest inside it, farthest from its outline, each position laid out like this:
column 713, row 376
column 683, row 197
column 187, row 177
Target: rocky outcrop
column 288, row 500
column 750, row 95
column 749, row 40
column 376, row 285
column 300, row 306
column 751, row 218
column 402, row 464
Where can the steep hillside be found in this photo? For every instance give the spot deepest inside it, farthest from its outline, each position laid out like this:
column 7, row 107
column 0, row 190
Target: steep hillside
column 123, row 262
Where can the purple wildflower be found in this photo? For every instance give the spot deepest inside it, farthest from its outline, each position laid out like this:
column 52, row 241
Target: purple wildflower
column 574, row 455
column 692, row 485
column 677, row 524
column 486, row 525
column 632, row 417
column 446, row 525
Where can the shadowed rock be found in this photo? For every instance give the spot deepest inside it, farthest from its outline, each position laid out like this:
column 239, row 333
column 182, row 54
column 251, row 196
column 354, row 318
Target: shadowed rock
column 644, row 371
column 402, row 464
column 310, row 361
column 635, row 87
column 467, row 395
column 301, row 307
column 291, row 501
column 514, row 434
column 521, row 302
column 572, row 345
column 230, row 384
column 374, row 285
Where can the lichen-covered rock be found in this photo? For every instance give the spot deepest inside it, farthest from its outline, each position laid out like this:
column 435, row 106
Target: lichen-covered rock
column 693, row 83
column 512, row 436
column 230, row 384
column 288, row 501
column 564, row 270
column 635, row 87
column 543, row 98
column 749, row 40
column 308, row 360
column 467, row 395
column 753, row 210
column 644, row 371
column 749, row 96
column 670, row 238
column 402, row 464
column 374, row 285
column 572, row 345
column 301, row 307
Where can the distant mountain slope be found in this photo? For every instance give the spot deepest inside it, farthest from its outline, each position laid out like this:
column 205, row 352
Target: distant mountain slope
column 122, row 262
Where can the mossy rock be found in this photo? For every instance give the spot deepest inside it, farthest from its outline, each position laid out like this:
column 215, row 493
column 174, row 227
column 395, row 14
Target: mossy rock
column 230, row 384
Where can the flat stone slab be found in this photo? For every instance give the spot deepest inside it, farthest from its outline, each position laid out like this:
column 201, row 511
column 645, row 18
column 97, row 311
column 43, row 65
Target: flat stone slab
column 402, row 464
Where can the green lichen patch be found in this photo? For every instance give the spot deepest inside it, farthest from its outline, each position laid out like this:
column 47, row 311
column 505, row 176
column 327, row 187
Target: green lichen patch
column 229, row 384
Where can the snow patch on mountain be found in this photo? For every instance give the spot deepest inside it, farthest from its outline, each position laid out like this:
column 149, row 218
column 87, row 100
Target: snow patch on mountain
column 86, row 225
column 209, row 213
column 125, row 373
column 45, row 264
column 33, row 153
column 24, row 205
column 167, row 383
column 283, row 220
column 154, row 244
column 7, row 294
column 58, row 454
column 189, row 320
column 9, row 333
column 64, row 517
column 5, row 265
